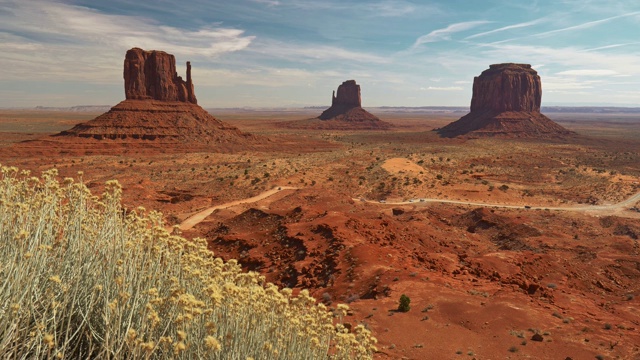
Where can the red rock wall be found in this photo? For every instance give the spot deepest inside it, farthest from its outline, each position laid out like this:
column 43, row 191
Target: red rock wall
column 348, row 95
column 507, row 87
column 152, row 75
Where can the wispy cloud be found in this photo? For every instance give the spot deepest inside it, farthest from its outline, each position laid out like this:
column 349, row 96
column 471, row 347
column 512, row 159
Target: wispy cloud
column 445, row 33
column 587, row 25
column 312, row 52
column 506, row 28
column 589, row 72
column 612, row 46
column 384, row 8
column 77, row 43
column 443, row 88
column 268, row 2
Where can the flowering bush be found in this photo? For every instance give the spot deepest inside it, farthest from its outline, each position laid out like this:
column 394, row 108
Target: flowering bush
column 80, row 277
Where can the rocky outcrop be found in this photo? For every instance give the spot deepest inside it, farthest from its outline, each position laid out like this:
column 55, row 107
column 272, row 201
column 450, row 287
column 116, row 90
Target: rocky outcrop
column 159, row 107
column 507, row 87
column 348, row 97
column 159, row 121
column 506, row 103
column 151, row 75
column 346, row 112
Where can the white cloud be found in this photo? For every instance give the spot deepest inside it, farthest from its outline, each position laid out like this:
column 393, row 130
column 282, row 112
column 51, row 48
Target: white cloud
column 445, row 33
column 312, row 52
column 78, row 43
column 510, row 27
column 589, row 72
column 564, row 57
column 612, row 46
column 587, row 25
column 268, row 2
column 445, row 88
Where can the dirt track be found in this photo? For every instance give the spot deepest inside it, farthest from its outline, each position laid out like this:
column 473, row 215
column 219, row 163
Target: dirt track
column 195, row 219
column 620, row 207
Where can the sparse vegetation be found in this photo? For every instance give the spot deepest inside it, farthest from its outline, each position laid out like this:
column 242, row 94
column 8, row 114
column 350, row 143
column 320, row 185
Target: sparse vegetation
column 90, row 279
column 404, row 306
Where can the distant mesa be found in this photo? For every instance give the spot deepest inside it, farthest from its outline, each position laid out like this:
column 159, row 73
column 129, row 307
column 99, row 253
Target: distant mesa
column 506, row 103
column 348, row 99
column 159, row 105
column 345, row 113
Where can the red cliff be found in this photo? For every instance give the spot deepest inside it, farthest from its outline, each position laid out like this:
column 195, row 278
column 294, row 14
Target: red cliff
column 346, row 111
column 506, row 103
column 151, row 75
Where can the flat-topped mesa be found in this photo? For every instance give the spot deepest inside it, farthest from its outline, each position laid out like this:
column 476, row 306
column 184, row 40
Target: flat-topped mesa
column 348, row 95
column 151, row 75
column 507, row 87
column 506, row 103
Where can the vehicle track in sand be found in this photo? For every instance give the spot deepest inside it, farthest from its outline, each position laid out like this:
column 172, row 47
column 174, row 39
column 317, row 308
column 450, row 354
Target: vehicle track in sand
column 198, row 217
column 619, row 208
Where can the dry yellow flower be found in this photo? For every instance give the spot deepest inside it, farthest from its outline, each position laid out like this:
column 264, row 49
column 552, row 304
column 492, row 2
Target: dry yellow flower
column 212, row 343
column 179, row 347
column 131, row 335
column 48, row 340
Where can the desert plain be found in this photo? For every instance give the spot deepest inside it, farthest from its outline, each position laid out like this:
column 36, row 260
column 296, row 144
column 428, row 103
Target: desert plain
column 507, row 248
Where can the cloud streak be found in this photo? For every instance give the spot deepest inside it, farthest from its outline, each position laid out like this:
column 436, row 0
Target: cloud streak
column 445, row 33
column 587, row 25
column 506, row 28
column 589, row 72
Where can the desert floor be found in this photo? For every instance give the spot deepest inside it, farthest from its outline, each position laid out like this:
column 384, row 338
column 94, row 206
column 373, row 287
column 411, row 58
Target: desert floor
column 493, row 240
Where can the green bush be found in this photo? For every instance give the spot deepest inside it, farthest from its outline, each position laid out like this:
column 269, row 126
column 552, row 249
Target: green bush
column 81, row 277
column 404, row 303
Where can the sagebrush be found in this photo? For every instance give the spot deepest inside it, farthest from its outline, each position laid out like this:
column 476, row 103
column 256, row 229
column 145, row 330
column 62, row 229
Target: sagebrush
column 81, row 278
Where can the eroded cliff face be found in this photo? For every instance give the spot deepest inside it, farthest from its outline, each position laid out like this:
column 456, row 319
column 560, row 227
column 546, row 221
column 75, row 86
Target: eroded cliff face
column 348, row 95
column 346, row 106
column 507, row 87
column 151, row 75
column 506, row 103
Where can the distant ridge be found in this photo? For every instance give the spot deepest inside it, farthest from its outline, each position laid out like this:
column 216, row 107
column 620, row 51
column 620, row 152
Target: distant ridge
column 78, row 108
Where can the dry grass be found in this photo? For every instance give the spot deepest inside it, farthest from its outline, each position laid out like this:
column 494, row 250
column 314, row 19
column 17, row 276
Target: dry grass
column 83, row 278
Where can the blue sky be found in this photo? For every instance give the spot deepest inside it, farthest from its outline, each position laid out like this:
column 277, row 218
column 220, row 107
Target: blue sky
column 274, row 53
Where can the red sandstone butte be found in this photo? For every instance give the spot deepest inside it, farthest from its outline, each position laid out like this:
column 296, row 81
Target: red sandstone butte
column 159, row 106
column 506, row 103
column 152, row 75
column 346, row 107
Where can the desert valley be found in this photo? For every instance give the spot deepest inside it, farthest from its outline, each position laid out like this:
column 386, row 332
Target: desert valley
column 513, row 233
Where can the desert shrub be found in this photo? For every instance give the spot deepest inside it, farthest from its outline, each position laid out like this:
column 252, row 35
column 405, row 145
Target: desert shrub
column 404, row 303
column 81, row 277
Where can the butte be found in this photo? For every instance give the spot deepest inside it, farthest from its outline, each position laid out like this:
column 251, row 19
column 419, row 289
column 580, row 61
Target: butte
column 345, row 113
column 160, row 112
column 506, row 103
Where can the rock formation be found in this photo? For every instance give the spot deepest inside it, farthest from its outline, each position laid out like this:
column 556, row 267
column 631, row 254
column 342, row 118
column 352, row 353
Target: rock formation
column 348, row 98
column 152, row 75
column 159, row 106
column 346, row 111
column 506, row 102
